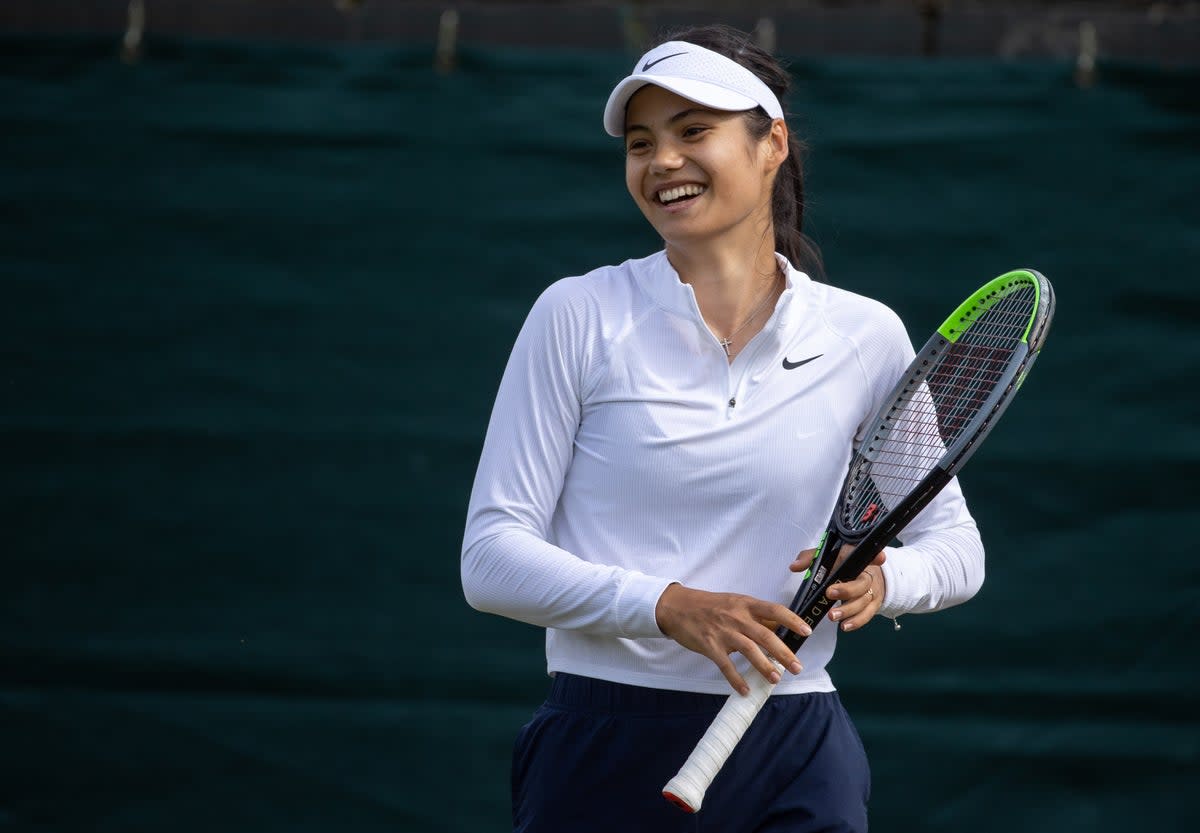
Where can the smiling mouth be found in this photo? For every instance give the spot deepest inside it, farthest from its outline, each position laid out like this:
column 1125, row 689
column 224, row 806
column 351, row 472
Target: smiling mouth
column 678, row 194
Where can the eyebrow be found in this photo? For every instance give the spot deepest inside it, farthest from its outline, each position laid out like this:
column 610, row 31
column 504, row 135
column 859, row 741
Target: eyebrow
column 680, row 116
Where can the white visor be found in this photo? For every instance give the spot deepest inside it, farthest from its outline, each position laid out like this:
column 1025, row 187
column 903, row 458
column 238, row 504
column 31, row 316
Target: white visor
column 697, row 74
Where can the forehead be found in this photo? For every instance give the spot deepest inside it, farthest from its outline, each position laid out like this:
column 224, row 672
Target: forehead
column 652, row 105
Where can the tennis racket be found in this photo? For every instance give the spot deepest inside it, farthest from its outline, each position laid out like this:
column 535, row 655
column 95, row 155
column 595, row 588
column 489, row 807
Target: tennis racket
column 934, row 419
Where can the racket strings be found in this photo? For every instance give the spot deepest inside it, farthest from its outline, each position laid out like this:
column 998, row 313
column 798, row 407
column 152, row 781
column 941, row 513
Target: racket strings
column 975, row 364
column 932, row 414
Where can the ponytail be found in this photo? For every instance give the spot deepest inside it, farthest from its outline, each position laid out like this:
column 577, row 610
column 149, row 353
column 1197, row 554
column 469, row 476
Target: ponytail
column 787, row 213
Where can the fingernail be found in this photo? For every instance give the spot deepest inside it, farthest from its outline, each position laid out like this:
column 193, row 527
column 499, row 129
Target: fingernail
column 796, row 667
column 774, row 677
column 837, row 614
column 848, row 626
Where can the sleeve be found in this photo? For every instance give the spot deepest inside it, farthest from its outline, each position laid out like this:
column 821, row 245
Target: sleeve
column 508, row 565
column 941, row 562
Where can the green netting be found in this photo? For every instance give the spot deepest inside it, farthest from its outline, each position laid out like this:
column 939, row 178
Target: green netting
column 256, row 301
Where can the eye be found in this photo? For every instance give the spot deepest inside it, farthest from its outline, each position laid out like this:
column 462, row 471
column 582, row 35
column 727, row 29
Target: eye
column 636, row 145
column 694, row 131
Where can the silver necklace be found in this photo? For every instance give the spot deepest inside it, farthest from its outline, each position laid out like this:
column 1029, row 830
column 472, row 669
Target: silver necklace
column 727, row 341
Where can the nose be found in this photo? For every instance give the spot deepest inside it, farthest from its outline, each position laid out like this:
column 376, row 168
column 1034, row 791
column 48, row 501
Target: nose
column 666, row 158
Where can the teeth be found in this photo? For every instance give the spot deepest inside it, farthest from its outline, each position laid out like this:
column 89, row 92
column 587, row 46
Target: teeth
column 679, row 191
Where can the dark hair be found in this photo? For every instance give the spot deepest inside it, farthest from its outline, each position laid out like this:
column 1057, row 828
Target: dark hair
column 787, row 198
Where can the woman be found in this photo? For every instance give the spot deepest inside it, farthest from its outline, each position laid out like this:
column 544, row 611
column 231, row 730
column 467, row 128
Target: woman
column 668, row 433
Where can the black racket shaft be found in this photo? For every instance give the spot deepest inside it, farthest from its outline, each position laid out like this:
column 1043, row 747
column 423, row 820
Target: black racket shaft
column 811, row 602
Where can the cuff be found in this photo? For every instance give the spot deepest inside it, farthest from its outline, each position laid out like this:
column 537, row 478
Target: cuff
column 904, row 573
column 637, row 599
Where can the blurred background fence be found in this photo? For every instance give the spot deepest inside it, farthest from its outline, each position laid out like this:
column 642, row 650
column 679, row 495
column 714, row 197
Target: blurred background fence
column 1162, row 32
column 261, row 266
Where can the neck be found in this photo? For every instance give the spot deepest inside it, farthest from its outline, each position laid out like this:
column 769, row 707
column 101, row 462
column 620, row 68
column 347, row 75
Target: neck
column 729, row 278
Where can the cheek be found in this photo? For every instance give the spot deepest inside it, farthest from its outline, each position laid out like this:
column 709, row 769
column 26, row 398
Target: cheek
column 633, row 181
column 633, row 184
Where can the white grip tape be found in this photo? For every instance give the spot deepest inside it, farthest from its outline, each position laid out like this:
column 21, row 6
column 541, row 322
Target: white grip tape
column 688, row 786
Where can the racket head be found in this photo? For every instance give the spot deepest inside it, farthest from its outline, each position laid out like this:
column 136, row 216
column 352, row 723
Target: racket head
column 948, row 399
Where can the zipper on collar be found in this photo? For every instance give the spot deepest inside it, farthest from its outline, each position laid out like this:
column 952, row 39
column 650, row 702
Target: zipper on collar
column 762, row 337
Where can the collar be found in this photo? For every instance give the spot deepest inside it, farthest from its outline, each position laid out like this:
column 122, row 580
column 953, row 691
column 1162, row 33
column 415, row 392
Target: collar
column 661, row 282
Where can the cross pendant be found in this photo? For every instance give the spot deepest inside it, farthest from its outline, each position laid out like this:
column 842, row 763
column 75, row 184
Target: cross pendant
column 725, row 343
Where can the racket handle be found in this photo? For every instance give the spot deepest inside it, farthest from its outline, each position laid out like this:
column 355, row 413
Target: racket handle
column 686, row 790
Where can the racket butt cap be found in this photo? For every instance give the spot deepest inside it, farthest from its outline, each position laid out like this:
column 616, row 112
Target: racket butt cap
column 678, row 802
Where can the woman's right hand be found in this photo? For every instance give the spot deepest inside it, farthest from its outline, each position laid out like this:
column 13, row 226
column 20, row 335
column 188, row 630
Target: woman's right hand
column 717, row 625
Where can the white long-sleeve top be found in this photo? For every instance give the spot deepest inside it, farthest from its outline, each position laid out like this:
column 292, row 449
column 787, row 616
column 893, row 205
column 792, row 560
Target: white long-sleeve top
column 625, row 452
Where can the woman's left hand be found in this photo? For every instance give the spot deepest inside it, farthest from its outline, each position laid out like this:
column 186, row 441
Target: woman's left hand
column 860, row 597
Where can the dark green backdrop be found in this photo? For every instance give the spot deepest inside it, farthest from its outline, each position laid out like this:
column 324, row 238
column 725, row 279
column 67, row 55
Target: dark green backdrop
column 256, row 301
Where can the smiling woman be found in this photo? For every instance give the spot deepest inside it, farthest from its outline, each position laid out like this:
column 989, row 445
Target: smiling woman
column 644, row 492
column 750, row 95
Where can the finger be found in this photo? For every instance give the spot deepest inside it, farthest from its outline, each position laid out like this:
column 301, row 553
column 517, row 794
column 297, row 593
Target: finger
column 776, row 615
column 774, row 625
column 730, row 672
column 775, row 647
column 859, row 606
column 857, row 621
column 850, row 608
column 839, row 592
column 758, row 660
column 802, row 561
column 846, row 596
column 851, row 588
column 770, row 642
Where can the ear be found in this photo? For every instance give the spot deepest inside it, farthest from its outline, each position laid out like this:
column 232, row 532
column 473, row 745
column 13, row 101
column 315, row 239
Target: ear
column 777, row 144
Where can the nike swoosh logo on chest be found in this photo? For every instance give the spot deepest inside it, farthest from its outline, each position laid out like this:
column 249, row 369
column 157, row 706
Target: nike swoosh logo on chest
column 793, row 365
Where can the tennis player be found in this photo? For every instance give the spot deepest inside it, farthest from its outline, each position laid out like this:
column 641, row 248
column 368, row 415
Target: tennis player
column 669, row 433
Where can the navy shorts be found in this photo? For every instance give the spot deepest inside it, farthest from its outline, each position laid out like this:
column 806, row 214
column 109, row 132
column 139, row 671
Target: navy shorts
column 596, row 755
